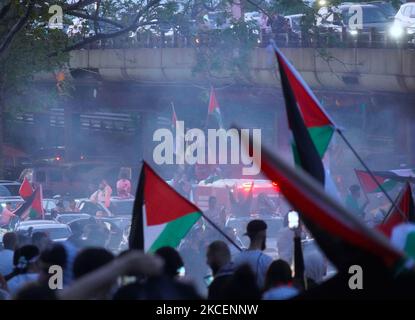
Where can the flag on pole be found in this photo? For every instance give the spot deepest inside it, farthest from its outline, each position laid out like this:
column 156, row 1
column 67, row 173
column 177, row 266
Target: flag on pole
column 370, row 186
column 405, row 202
column 32, row 208
column 161, row 216
column 25, row 190
column 318, row 123
column 343, row 237
column 214, row 109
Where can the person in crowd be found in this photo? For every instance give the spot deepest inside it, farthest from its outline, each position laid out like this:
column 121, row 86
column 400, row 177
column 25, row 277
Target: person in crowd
column 215, row 213
column 285, row 242
column 89, row 260
column 315, row 268
column 25, row 269
column 218, row 258
column 59, row 209
column 352, row 201
column 173, row 262
column 265, row 206
column 124, row 186
column 103, row 194
column 242, row 206
column 35, row 291
column 4, row 290
column 243, row 285
column 254, row 255
column 6, row 215
column 72, row 206
column 6, row 255
column 96, row 235
column 54, row 255
column 231, row 233
column 41, row 240
column 279, row 282
column 278, row 24
column 93, row 284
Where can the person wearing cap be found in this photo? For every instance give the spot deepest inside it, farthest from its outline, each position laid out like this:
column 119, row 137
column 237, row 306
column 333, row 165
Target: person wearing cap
column 254, row 256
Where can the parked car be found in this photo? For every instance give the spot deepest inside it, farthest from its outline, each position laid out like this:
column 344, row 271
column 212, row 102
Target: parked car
column 339, row 17
column 9, row 188
column 56, row 231
column 68, row 217
column 294, row 22
column 405, row 18
column 118, row 207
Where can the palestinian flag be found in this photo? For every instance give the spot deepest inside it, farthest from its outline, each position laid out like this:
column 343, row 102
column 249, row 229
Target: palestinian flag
column 25, row 190
column 32, row 208
column 305, row 149
column 405, row 203
column 370, row 186
column 161, row 216
column 213, row 108
column 344, row 239
column 318, row 124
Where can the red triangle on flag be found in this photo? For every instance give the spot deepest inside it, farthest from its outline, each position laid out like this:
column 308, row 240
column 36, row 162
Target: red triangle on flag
column 213, row 103
column 405, row 203
column 25, row 190
column 163, row 204
column 311, row 110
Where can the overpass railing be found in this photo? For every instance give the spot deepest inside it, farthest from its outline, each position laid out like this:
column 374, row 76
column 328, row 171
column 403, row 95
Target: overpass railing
column 318, row 38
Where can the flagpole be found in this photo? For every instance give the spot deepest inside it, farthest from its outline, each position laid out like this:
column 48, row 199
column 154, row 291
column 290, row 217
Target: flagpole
column 221, row 232
column 369, row 171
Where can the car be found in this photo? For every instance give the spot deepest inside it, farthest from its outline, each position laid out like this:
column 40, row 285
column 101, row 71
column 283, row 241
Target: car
column 405, row 18
column 342, row 16
column 387, row 8
column 118, row 207
column 56, row 231
column 67, row 217
column 15, row 202
column 294, row 22
column 9, row 188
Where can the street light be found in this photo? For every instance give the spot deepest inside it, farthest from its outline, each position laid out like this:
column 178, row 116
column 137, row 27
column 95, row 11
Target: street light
column 322, row 3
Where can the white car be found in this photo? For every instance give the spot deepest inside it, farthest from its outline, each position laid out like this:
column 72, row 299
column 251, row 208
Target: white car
column 56, row 231
column 405, row 18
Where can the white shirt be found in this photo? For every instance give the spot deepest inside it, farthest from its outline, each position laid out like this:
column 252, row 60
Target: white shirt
column 18, row 282
column 6, row 262
column 258, row 261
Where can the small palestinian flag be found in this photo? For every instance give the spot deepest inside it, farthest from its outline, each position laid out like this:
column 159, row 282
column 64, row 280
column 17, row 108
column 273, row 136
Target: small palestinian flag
column 25, row 190
column 161, row 216
column 213, row 108
column 405, row 202
column 173, row 117
column 370, row 186
column 318, row 123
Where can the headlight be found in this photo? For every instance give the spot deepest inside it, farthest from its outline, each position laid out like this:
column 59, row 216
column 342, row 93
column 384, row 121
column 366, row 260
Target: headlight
column 396, row 31
column 354, row 32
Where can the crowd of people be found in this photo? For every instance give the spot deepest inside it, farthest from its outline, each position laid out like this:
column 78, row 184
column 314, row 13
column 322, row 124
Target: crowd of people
column 94, row 272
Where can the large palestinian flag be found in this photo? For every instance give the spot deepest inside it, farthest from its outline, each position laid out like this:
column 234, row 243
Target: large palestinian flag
column 405, row 202
column 318, row 124
column 344, row 239
column 25, row 190
column 161, row 216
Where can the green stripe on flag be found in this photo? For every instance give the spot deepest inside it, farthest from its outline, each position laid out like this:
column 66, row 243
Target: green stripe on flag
column 320, row 136
column 175, row 231
column 410, row 245
column 388, row 185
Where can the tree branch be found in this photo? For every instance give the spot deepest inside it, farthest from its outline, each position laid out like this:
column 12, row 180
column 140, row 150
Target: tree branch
column 93, row 18
column 79, row 5
column 16, row 28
